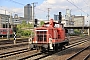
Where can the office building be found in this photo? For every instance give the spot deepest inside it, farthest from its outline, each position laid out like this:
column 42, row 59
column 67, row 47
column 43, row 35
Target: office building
column 28, row 12
column 56, row 17
column 4, row 20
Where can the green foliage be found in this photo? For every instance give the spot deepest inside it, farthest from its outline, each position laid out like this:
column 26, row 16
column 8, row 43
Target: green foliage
column 23, row 29
column 26, row 33
column 41, row 23
column 82, row 35
column 76, row 32
column 24, row 25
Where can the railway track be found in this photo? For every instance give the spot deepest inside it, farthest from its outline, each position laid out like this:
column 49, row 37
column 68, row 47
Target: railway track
column 7, row 46
column 35, row 56
column 79, row 42
column 86, row 58
column 41, row 55
column 4, row 42
column 73, row 40
column 11, row 53
column 23, row 42
column 78, row 54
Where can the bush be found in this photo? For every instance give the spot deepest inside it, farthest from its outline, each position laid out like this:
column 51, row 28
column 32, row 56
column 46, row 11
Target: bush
column 23, row 29
column 41, row 23
column 77, row 32
column 24, row 33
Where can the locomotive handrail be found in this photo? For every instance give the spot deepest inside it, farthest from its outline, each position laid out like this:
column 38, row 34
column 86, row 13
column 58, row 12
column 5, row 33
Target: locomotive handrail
column 31, row 36
column 43, row 37
column 44, row 34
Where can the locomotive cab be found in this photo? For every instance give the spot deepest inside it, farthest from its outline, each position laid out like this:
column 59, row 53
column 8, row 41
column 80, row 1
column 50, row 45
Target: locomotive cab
column 50, row 37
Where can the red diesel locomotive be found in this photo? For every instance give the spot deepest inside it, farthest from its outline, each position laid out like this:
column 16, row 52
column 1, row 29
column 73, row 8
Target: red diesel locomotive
column 51, row 36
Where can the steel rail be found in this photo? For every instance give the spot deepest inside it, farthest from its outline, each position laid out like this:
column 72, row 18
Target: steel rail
column 71, row 57
column 59, row 51
column 12, row 45
column 74, row 44
column 39, row 53
column 87, row 57
column 3, row 55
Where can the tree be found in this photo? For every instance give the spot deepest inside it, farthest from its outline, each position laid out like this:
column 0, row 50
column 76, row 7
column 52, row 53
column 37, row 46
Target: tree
column 41, row 23
column 23, row 29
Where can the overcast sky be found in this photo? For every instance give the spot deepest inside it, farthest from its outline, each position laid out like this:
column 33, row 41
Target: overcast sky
column 77, row 7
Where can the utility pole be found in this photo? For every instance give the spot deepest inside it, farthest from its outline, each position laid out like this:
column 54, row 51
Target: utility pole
column 5, row 18
column 8, row 29
column 48, row 13
column 83, row 26
column 33, row 5
column 8, row 33
column 12, row 24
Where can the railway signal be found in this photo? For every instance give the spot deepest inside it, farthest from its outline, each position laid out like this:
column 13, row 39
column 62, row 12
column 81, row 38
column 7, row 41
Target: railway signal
column 60, row 17
column 14, row 28
column 36, row 23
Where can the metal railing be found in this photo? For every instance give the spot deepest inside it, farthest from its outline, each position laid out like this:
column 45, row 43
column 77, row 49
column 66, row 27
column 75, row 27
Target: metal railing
column 42, row 37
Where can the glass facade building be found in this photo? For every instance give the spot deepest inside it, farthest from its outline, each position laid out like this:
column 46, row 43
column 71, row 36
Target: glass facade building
column 28, row 12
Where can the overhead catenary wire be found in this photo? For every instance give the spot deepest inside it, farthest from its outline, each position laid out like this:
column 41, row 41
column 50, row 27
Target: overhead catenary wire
column 77, row 7
column 9, row 11
column 87, row 6
column 86, row 3
column 24, row 4
column 16, row 2
column 3, row 9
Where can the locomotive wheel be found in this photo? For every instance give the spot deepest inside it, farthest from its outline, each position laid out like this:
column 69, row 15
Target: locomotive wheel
column 30, row 47
column 59, row 46
column 45, row 49
column 38, row 49
column 55, row 48
column 63, row 47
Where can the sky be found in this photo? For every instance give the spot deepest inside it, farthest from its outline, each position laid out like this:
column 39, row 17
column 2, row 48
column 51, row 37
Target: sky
column 77, row 7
